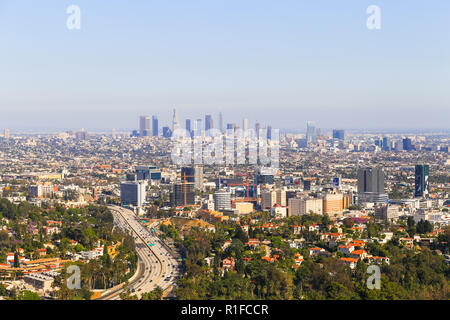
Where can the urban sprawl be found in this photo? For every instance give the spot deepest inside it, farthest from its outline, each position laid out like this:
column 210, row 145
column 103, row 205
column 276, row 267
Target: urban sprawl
column 110, row 216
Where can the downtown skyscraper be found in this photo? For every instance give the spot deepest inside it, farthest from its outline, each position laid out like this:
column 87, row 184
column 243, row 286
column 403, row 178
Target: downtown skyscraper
column 311, row 134
column 221, row 122
column 208, row 122
column 155, row 128
column 144, row 126
column 422, row 172
column 175, row 123
column 188, row 125
column 371, row 185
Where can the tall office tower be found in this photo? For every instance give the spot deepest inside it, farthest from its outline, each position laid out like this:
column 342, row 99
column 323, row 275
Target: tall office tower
column 188, row 174
column 193, row 175
column 387, row 144
column 198, row 127
column 230, row 126
column 144, row 125
column 298, row 207
column 290, row 194
column 113, row 133
column 407, row 145
column 257, row 128
column 311, row 131
column 269, row 133
column 198, row 177
column 421, row 181
column 333, row 203
column 175, row 123
column 81, row 135
column 220, row 122
column 188, row 125
column 281, row 197
column 268, row 199
column 155, row 127
column 208, row 122
column 149, row 173
column 167, row 133
column 134, row 133
column 307, row 185
column 182, row 194
column 371, row 185
column 379, row 142
column 245, row 124
column 264, row 175
column 132, row 193
column 6, row 134
column 398, row 145
column 338, row 134
column 222, row 200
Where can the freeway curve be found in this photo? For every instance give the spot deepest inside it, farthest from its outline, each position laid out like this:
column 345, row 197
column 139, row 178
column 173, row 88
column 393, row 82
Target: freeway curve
column 157, row 266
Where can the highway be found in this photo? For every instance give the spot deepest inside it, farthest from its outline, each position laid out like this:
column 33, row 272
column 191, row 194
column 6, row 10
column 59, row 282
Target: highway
column 157, row 265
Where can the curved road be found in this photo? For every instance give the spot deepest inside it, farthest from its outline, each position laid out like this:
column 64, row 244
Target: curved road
column 157, row 266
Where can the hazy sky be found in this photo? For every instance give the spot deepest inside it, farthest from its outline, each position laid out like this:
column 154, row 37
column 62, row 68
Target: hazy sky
column 280, row 62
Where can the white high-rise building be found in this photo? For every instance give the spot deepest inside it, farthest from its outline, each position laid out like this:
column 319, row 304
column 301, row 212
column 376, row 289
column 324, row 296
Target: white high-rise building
column 245, row 124
column 222, row 200
column 144, row 126
column 198, row 177
column 220, row 122
column 175, row 122
column 132, row 193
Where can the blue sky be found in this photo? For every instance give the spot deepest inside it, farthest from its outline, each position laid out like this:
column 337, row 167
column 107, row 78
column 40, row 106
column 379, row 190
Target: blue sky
column 280, row 62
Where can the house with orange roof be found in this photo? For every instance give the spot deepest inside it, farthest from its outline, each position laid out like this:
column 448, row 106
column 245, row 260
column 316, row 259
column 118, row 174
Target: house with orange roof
column 253, row 243
column 10, row 258
column 351, row 262
column 315, row 251
column 379, row 260
column 270, row 259
column 358, row 254
column 226, row 244
column 269, row 227
column 347, row 249
column 297, row 229
column 357, row 243
column 298, row 258
column 314, row 227
column 228, row 263
column 41, row 252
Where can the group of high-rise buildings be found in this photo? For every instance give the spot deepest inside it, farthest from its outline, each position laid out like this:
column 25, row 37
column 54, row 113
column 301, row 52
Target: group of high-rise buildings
column 386, row 144
column 149, row 127
column 371, row 184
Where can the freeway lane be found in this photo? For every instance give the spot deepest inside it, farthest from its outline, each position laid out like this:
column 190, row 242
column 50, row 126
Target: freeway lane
column 159, row 267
